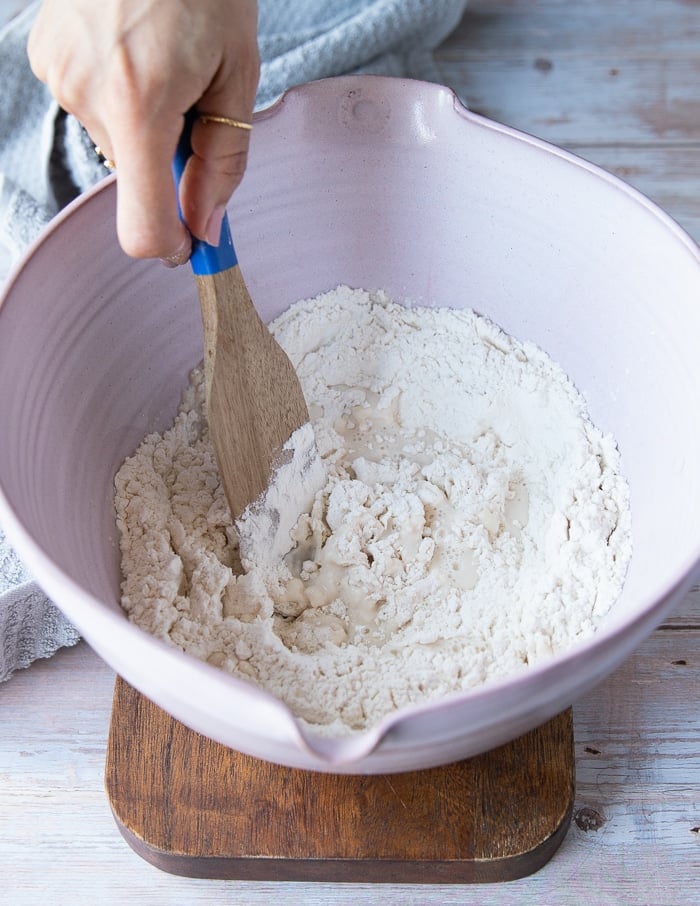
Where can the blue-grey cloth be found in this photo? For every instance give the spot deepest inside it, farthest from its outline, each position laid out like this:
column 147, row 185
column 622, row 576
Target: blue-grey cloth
column 47, row 159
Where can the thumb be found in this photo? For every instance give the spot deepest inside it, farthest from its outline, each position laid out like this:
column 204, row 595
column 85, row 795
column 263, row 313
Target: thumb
column 148, row 223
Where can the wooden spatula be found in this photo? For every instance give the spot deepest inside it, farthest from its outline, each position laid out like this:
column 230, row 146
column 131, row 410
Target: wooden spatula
column 254, row 399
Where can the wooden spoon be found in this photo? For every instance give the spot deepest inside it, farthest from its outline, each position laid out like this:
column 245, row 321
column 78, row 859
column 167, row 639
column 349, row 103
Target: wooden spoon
column 254, row 400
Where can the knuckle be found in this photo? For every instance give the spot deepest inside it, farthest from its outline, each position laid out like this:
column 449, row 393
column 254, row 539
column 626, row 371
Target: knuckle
column 124, row 89
column 235, row 165
column 67, row 84
column 244, row 72
column 142, row 243
column 228, row 169
column 138, row 246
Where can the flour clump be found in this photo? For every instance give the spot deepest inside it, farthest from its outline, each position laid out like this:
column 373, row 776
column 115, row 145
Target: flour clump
column 472, row 520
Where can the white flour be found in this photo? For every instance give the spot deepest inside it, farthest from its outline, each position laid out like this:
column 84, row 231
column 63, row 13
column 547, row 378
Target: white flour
column 473, row 520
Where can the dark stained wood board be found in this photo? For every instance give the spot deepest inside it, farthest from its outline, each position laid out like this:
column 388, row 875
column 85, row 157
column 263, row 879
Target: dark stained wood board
column 193, row 807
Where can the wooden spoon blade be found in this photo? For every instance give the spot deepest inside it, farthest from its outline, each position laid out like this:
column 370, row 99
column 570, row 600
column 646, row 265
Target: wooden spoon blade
column 255, row 400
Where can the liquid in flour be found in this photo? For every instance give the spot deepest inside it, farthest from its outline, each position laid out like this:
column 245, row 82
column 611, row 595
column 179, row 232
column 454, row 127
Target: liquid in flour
column 472, row 520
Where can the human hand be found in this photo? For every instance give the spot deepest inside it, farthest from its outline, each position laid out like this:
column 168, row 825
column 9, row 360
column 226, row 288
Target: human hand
column 129, row 70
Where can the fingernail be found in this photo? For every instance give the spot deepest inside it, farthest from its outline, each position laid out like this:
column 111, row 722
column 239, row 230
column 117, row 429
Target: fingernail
column 181, row 255
column 213, row 231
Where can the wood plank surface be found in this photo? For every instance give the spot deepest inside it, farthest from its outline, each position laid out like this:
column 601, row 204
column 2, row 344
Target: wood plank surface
column 616, row 83
column 546, row 66
column 616, row 100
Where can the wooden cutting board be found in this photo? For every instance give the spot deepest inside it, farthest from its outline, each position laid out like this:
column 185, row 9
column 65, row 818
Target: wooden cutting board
column 193, row 807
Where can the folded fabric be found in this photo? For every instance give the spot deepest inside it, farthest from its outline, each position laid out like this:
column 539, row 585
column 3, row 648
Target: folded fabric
column 47, row 159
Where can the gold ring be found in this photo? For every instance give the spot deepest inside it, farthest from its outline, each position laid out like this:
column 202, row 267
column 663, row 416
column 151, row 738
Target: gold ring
column 225, row 121
column 106, row 161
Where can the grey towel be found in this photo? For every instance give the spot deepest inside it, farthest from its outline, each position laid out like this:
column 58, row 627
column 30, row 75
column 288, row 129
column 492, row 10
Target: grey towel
column 47, row 159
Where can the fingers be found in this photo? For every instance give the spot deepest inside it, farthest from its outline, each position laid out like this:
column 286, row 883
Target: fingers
column 148, row 221
column 129, row 70
column 219, row 150
column 126, row 113
column 217, row 165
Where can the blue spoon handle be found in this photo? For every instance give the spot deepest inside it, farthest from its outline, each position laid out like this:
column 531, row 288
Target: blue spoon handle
column 206, row 259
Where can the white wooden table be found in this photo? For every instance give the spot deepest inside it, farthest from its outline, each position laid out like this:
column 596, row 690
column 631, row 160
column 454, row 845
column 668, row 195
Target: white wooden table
column 619, row 83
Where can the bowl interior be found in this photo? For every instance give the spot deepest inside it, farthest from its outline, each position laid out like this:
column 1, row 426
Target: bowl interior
column 378, row 184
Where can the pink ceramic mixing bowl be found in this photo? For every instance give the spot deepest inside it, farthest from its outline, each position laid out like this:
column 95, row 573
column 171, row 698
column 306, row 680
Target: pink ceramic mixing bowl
column 377, row 183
